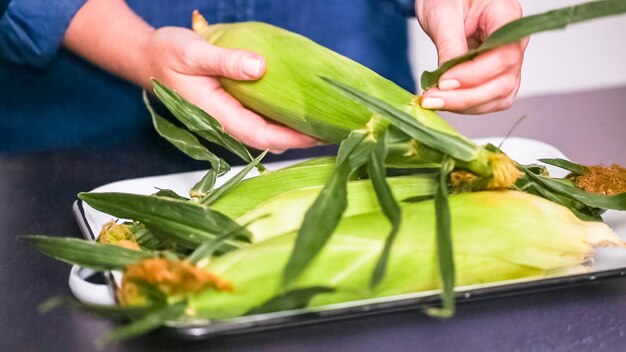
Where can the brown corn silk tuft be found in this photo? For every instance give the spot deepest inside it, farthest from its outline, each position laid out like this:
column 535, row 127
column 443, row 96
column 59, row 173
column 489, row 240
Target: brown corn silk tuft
column 119, row 235
column 600, row 179
column 172, row 277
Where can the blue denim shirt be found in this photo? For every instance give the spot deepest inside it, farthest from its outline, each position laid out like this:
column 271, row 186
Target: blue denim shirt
column 50, row 98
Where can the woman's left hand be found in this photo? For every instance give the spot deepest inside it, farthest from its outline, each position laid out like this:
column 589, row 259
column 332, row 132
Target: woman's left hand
column 490, row 81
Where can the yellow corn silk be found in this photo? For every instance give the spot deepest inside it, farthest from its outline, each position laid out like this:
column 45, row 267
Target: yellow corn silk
column 118, row 234
column 497, row 236
column 172, row 277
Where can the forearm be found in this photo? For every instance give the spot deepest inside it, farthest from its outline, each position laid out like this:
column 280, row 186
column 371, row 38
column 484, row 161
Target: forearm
column 110, row 35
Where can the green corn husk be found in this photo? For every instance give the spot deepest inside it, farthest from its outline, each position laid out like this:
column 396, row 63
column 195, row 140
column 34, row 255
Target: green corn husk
column 253, row 191
column 293, row 93
column 497, row 235
column 285, row 212
column 304, row 102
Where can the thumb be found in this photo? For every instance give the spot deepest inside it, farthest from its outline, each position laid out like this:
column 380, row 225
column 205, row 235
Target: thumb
column 212, row 60
column 447, row 30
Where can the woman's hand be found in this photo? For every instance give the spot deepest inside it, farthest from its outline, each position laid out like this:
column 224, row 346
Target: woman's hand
column 490, row 81
column 187, row 63
column 109, row 34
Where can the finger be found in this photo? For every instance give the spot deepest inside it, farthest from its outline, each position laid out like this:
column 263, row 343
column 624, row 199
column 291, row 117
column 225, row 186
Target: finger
column 243, row 124
column 483, row 68
column 206, row 59
column 447, row 30
column 496, row 14
column 463, row 99
column 253, row 130
column 493, row 106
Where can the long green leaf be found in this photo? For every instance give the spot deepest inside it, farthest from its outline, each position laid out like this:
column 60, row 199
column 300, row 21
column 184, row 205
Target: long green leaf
column 87, row 254
column 566, row 165
column 525, row 26
column 198, row 121
column 294, row 299
column 579, row 209
column 189, row 224
column 180, row 138
column 147, row 323
column 445, row 255
column 454, row 145
column 107, row 311
column 388, row 204
column 209, row 247
column 324, row 215
column 189, row 144
column 206, row 183
column 615, row 202
column 233, row 181
column 162, row 192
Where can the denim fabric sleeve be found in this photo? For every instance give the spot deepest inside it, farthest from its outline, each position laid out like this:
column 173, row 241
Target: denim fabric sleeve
column 31, row 31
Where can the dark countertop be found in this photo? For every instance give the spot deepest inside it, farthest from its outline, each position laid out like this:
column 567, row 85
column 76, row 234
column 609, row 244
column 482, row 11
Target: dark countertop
column 37, row 191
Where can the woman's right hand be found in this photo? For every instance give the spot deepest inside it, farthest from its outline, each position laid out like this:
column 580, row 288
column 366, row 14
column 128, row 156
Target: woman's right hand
column 110, row 35
column 187, row 63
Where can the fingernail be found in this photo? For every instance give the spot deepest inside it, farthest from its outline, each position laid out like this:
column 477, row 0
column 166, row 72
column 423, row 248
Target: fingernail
column 432, row 103
column 449, row 84
column 277, row 151
column 251, row 67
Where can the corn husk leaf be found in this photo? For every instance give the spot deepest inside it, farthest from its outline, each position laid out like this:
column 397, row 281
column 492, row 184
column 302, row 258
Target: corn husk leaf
column 525, row 26
column 146, row 323
column 253, row 191
column 324, row 215
column 209, row 247
column 615, row 202
column 198, row 121
column 188, row 224
column 456, row 146
column 566, row 165
column 445, row 257
column 184, row 140
column 168, row 193
column 107, row 311
column 87, row 254
column 232, row 182
column 388, row 204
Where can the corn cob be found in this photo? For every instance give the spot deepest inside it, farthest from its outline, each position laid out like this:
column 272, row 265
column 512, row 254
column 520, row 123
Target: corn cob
column 293, row 93
column 498, row 236
column 284, row 213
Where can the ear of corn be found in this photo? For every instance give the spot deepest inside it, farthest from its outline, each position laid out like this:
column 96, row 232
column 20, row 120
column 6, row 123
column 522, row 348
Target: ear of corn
column 293, row 91
column 497, row 236
column 285, row 212
column 304, row 102
column 253, row 191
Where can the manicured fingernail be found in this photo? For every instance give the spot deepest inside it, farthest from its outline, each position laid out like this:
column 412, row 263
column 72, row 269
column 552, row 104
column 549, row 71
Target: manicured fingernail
column 449, row 84
column 251, row 67
column 432, row 103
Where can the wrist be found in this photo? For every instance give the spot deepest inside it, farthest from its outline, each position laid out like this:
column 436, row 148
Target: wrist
column 110, row 35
